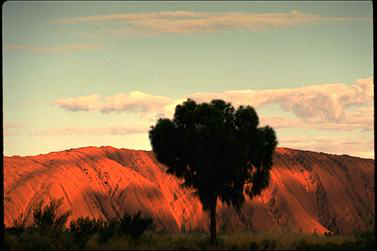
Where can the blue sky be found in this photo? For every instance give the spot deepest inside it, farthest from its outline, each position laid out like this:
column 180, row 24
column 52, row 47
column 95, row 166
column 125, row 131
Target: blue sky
column 101, row 73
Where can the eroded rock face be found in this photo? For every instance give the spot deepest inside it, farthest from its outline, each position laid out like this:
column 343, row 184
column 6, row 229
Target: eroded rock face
column 308, row 191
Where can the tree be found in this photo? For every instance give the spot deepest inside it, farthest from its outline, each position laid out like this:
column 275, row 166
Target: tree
column 217, row 150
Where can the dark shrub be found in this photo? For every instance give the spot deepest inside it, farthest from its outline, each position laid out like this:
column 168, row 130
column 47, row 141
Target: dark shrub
column 48, row 229
column 130, row 225
column 39, row 239
column 33, row 239
column 11, row 240
column 47, row 217
column 135, row 225
column 82, row 228
column 302, row 245
column 366, row 240
column 18, row 225
column 253, row 245
column 268, row 244
column 108, row 230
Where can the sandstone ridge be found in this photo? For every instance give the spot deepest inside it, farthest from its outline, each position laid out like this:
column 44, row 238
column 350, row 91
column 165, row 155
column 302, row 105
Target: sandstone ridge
column 308, row 192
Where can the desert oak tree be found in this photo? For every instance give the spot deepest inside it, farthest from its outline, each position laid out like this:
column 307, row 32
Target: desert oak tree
column 217, row 150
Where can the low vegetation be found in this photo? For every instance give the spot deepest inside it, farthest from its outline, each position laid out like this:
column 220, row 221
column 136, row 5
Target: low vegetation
column 48, row 230
column 134, row 232
column 151, row 240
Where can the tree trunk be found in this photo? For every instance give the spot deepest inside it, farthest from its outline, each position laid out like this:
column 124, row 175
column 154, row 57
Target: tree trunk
column 213, row 222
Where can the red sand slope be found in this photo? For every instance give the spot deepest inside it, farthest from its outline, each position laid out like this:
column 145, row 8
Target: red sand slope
column 308, row 192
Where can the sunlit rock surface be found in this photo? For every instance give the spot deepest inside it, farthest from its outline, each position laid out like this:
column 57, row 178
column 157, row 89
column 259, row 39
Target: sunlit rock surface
column 308, row 192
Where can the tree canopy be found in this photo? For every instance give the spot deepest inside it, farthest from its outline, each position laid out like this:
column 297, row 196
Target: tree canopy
column 216, row 149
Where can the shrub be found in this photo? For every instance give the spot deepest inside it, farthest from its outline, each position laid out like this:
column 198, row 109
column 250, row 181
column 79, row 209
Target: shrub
column 39, row 239
column 82, row 228
column 108, row 230
column 268, row 244
column 135, row 225
column 253, row 245
column 302, row 245
column 11, row 240
column 47, row 216
column 19, row 224
column 129, row 225
column 366, row 240
column 48, row 230
column 33, row 239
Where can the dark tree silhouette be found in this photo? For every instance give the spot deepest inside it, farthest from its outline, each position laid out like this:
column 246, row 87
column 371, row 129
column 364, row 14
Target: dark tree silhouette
column 216, row 149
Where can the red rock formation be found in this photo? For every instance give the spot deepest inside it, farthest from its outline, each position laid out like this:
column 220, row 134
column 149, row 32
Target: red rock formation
column 308, row 192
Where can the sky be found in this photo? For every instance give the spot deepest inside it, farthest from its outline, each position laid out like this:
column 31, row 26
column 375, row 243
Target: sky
column 79, row 74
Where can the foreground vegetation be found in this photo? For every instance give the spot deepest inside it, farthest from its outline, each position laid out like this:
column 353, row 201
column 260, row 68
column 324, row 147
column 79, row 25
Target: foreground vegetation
column 150, row 240
column 48, row 230
column 134, row 232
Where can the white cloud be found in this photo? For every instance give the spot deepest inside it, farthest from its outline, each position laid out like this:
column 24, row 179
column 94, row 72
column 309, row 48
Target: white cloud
column 67, row 48
column 337, row 107
column 316, row 106
column 186, row 22
column 82, row 103
column 56, row 49
column 359, row 119
column 135, row 101
column 360, row 147
column 18, row 47
column 11, row 128
column 110, row 130
column 326, row 102
column 11, row 125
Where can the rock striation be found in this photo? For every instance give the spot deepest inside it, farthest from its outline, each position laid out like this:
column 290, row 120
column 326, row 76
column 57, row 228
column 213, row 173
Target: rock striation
column 309, row 192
